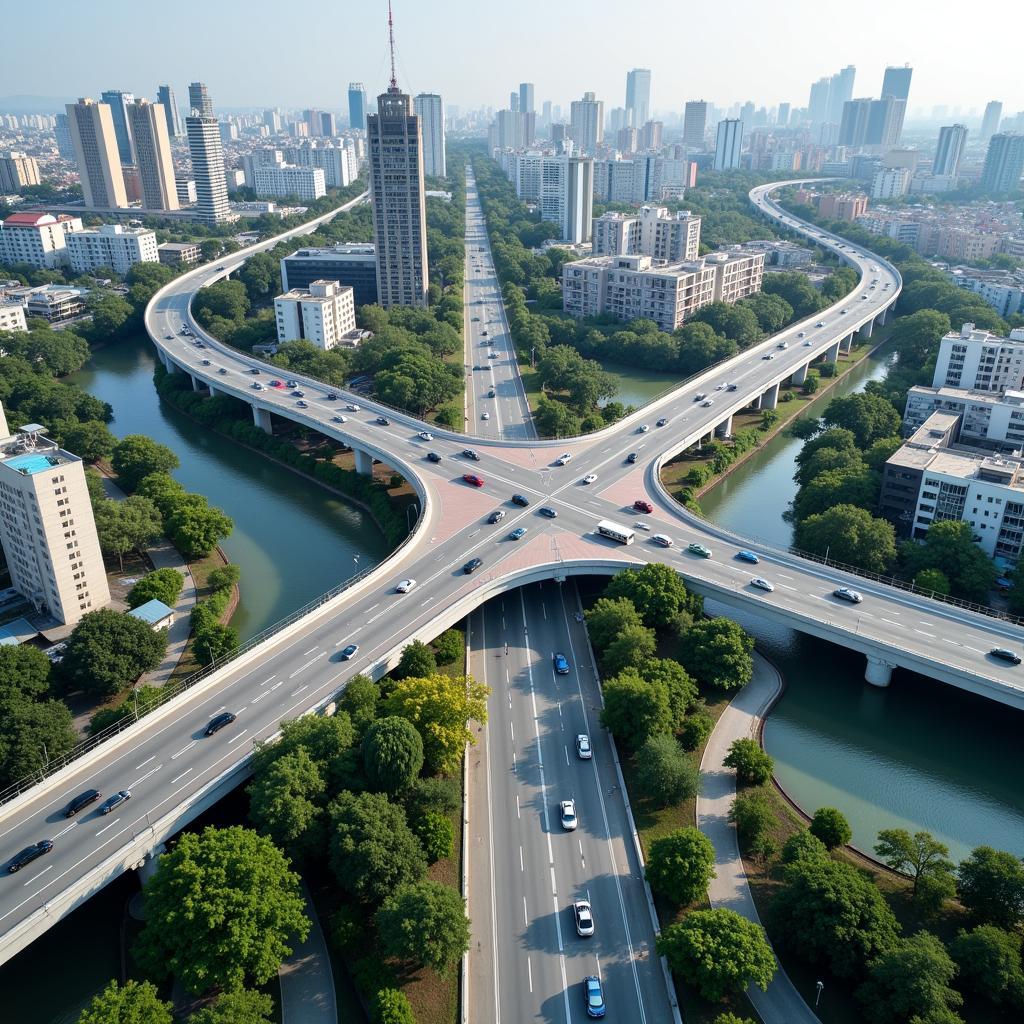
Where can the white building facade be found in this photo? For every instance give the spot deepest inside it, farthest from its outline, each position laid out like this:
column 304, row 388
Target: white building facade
column 113, row 246
column 282, row 180
column 980, row 361
column 322, row 314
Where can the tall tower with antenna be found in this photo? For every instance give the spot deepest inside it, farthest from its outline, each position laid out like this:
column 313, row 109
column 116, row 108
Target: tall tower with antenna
column 394, row 137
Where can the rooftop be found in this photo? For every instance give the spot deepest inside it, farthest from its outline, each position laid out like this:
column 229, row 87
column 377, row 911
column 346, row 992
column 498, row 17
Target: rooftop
column 31, row 463
column 152, row 612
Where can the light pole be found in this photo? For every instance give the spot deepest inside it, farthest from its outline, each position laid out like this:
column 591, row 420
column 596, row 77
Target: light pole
column 355, row 565
column 408, row 509
column 820, row 985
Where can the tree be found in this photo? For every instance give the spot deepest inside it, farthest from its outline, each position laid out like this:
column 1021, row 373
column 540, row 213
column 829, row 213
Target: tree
column 392, row 754
column 828, row 912
column 285, row 802
column 90, row 440
column 831, row 827
column 449, row 646
column 717, row 652
column 634, row 646
column 916, row 337
column 425, row 923
column 989, row 959
column 553, row 418
column 910, row 979
column 921, row 856
column 682, row 690
column 160, row 585
column 949, row 545
column 440, row 706
column 24, row 671
column 635, row 709
column 664, row 774
column 124, row 526
column 731, row 1018
column 856, row 485
column 391, row 1006
column 136, row 456
column 110, row 313
column 32, row 733
column 220, row 910
column 245, row 1006
column 324, row 738
column 868, row 416
column 136, row 1002
column 990, row 884
column 850, row 535
column 656, row 590
column 435, row 833
column 359, row 699
column 933, row 580
column 608, row 617
column 695, row 730
column 195, row 527
column 803, row 845
column 753, row 765
column 680, row 866
column 373, row 850
column 718, row 952
column 417, row 660
column 107, row 650
column 754, row 819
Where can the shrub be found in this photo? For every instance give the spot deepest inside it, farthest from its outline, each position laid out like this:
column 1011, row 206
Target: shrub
column 831, row 827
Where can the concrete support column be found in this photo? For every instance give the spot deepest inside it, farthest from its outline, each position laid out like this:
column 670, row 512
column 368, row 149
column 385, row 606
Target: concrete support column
column 756, row 403
column 878, row 672
column 846, row 344
column 364, row 462
column 148, row 867
column 832, row 354
column 770, row 399
column 261, row 417
column 171, row 365
column 800, row 376
column 724, row 429
column 868, row 329
column 197, row 384
column 881, row 318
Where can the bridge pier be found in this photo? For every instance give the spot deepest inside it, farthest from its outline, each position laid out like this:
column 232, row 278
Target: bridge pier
column 832, row 355
column 197, row 384
column 261, row 417
column 880, row 319
column 868, row 329
column 364, row 462
column 170, row 365
column 878, row 672
column 148, row 867
column 800, row 376
column 846, row 344
column 724, row 429
column 770, row 399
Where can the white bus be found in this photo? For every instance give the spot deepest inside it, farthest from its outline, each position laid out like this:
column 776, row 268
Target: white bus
column 623, row 534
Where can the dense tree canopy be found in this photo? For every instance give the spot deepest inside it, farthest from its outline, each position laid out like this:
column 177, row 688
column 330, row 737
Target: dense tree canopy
column 717, row 652
column 133, row 1003
column 136, row 456
column 680, row 865
column 425, row 923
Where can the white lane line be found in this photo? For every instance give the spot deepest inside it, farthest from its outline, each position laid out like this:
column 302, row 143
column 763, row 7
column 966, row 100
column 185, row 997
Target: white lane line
column 372, row 606
column 265, row 681
column 521, row 865
column 512, row 729
column 374, row 619
column 259, row 697
column 36, row 878
column 302, row 668
column 235, row 739
column 105, row 827
column 529, row 973
column 189, row 746
column 144, row 763
column 923, row 633
column 526, row 916
column 348, row 637
column 566, row 749
column 785, row 586
column 518, row 812
column 181, row 776
column 295, row 693
column 65, row 831
column 139, row 781
column 310, row 651
column 428, row 601
column 276, row 685
column 892, row 622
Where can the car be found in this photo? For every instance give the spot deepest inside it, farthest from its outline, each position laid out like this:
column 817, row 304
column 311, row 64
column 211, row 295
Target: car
column 748, row 556
column 405, row 586
column 1003, row 654
column 470, row 454
column 801, row 334
column 90, row 796
column 842, row 311
column 521, row 500
column 707, row 404
column 301, row 404
column 496, row 516
column 291, row 383
column 643, row 428
column 352, row 407
column 783, row 344
column 640, row 525
column 642, row 506
column 698, row 549
column 206, row 362
column 479, row 367
column 768, row 355
column 472, row 478
column 632, row 456
column 662, row 421
column 583, row 749
column 662, row 540
column 484, row 332
column 218, row 722
column 593, row 996
column 168, row 337
column 762, row 584
column 561, row 663
column 298, row 394
column 719, row 387
column 29, row 854
column 425, row 435
column 731, row 387
column 349, row 651
column 589, row 478
column 492, row 355
column 475, row 319
column 255, row 371
column 339, row 419
column 490, row 393
column 563, row 459
column 433, row 457
column 115, row 801
column 700, row 396
column 865, row 298
column 846, row 594
column 820, row 323
column 518, row 533
column 808, row 343
column 222, row 370
column 546, row 510
column 199, row 344
column 567, row 815
column 485, row 416
column 584, row 918
column 256, row 386
column 383, row 421
column 276, row 384
column 472, row 565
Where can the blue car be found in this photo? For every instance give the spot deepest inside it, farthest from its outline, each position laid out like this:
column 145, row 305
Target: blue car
column 593, row 996
column 561, row 664
column 748, row 556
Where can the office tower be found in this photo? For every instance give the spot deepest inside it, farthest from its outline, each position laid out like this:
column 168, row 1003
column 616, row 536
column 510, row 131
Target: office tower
column 782, row 117
column 649, row 135
column 695, row 121
column 99, row 166
column 949, row 150
column 885, row 121
column 207, row 154
column 526, row 97
column 353, row 264
column 586, row 121
column 47, row 527
column 727, row 144
column 272, row 119
column 840, row 90
column 199, row 100
column 165, row 97
column 545, row 113
column 395, row 148
column 625, row 140
column 513, row 101
column 896, row 86
column 638, row 96
column 327, row 127
column 1004, row 163
column 119, row 102
column 818, row 105
column 148, row 123
column 747, row 115
column 62, row 130
column 853, row 125
column 16, row 171
column 356, row 105
column 990, row 122
column 430, row 109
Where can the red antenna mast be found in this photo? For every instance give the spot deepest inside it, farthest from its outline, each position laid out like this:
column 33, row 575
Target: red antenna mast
column 391, row 44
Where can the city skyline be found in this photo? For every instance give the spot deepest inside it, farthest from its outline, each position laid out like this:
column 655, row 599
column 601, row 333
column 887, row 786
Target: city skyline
column 266, row 76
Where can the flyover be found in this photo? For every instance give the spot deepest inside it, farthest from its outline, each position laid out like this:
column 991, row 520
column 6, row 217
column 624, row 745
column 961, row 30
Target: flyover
column 175, row 772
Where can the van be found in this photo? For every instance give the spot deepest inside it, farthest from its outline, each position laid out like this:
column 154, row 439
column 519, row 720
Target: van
column 660, row 538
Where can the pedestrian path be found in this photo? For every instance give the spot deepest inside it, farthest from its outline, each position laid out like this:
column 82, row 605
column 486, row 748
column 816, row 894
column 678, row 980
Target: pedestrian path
column 307, row 984
column 782, row 1003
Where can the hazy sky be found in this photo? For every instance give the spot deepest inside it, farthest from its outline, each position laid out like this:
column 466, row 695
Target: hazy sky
column 251, row 53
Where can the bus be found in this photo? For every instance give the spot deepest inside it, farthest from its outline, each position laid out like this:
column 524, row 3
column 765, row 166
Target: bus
column 613, row 531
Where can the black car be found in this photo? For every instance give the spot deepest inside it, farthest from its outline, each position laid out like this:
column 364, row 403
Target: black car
column 384, row 421
column 521, row 500
column 115, row 801
column 470, row 454
column 90, row 796
column 662, row 421
column 496, row 516
column 472, row 565
column 549, row 512
column 29, row 854
column 218, row 722
column 632, row 456
column 1005, row 655
column 332, row 397
column 433, row 456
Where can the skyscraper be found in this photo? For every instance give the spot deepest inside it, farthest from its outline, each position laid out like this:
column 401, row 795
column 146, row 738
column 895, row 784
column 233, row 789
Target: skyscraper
column 165, row 97
column 430, row 109
column 207, row 154
column 356, row 105
column 695, row 122
column 513, row 101
column 818, row 104
column 990, row 122
column 896, row 86
column 638, row 96
column 853, row 124
column 199, row 100
column 1004, row 163
column 949, row 150
column 728, row 144
column 62, row 130
column 782, row 117
column 99, row 165
column 148, row 123
column 840, row 90
column 526, row 97
column 118, row 102
column 586, row 120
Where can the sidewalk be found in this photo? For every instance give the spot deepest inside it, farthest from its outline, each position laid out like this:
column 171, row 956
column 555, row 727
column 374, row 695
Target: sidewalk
column 782, row 1003
column 307, row 984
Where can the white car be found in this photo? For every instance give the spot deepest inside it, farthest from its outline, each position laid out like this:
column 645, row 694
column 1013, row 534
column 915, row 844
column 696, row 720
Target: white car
column 567, row 813
column 485, row 416
column 762, row 584
column 425, row 435
column 563, row 459
column 405, row 586
column 642, row 526
column 584, row 918
column 352, row 407
column 808, row 343
column 783, row 344
column 339, row 419
column 643, row 428
column 583, row 748
column 590, row 478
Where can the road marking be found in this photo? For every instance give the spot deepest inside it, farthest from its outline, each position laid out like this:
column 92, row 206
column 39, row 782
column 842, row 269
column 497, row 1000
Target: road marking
column 785, row 586
column 892, row 622
column 295, row 693
column 512, row 729
column 370, row 621
column 566, row 749
column 276, row 685
column 36, row 878
column 521, row 866
column 518, row 814
column 312, row 661
column 258, row 697
column 139, row 781
column 65, row 831
column 923, row 633
column 428, row 600
column 529, row 972
column 235, row 739
column 526, row 917
column 310, row 651
column 188, row 746
column 144, row 763
column 181, row 776
column 105, row 827
column 372, row 606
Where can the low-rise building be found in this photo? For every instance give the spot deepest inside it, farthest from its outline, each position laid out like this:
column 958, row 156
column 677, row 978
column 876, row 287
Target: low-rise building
column 286, row 180
column 890, row 183
column 842, row 205
column 980, row 360
column 56, row 303
column 1003, row 290
column 350, row 263
column 113, row 246
column 324, row 314
column 176, row 254
column 987, row 419
column 12, row 317
column 38, row 239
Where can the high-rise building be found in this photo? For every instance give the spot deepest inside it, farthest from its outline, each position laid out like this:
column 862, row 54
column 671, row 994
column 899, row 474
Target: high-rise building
column 165, row 97
column 272, row 119
column 649, row 135
column 728, row 143
column 782, row 116
column 545, row 113
column 38, row 239
column 99, row 166
column 819, row 103
column 638, row 96
column 586, row 120
column 17, row 170
column 207, row 154
column 148, row 123
column 47, row 526
column 65, row 144
column 526, row 98
column 1004, row 163
column 853, row 125
column 395, row 150
column 840, row 90
column 896, row 86
column 695, row 121
column 990, row 121
column 199, row 100
column 119, row 102
column 949, row 150
column 356, row 105
column 513, row 101
column 328, row 124
column 430, row 109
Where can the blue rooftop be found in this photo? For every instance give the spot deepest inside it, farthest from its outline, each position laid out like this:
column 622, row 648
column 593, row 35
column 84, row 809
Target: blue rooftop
column 152, row 611
column 33, row 462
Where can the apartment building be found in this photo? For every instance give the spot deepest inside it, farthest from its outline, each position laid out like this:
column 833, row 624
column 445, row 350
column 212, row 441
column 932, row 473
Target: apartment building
column 980, row 361
column 96, row 154
column 430, row 109
column 615, row 234
column 561, row 186
column 324, row 314
column 18, row 170
column 204, row 146
column 653, row 231
column 38, row 239
column 148, row 123
column 842, row 206
column 350, row 263
column 890, row 183
column 1003, row 290
column 12, row 316
column 177, row 254
column 111, row 246
column 281, row 179
column 986, row 419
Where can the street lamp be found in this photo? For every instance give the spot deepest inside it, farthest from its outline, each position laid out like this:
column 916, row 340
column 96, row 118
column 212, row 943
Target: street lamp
column 409, row 508
column 820, row 985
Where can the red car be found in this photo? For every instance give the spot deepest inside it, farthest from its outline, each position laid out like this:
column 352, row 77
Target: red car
column 472, row 478
column 643, row 506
